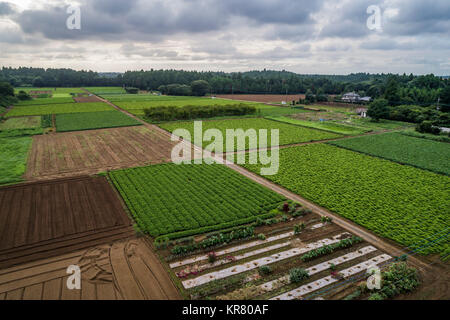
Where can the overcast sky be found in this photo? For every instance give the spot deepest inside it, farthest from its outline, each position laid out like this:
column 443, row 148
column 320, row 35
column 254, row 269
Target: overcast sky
column 303, row 36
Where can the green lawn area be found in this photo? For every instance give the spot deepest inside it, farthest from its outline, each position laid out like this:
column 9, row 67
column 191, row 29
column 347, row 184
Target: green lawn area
column 93, row 120
column 45, row 101
column 59, row 109
column 421, row 153
column 191, row 199
column 289, row 134
column 13, row 158
column 326, row 125
column 402, row 203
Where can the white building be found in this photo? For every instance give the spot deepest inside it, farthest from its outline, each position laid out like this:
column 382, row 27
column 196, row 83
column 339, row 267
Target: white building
column 353, row 97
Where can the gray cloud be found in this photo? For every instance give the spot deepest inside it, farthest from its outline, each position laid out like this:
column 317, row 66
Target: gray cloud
column 417, row 17
column 230, row 34
column 6, row 9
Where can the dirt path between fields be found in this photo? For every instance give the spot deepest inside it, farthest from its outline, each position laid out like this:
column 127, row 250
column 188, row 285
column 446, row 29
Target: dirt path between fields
column 388, row 246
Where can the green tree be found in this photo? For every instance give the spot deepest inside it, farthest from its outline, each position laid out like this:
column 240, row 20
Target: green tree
column 22, row 95
column 200, row 88
column 445, row 99
column 378, row 110
column 391, row 93
column 6, row 89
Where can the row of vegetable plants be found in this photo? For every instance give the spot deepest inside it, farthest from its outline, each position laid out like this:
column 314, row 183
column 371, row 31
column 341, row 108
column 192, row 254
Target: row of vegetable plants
column 402, row 203
column 173, row 201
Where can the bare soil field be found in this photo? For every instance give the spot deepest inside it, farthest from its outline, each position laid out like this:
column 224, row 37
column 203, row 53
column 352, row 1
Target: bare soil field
column 90, row 152
column 264, row 98
column 125, row 269
column 44, row 219
column 87, row 99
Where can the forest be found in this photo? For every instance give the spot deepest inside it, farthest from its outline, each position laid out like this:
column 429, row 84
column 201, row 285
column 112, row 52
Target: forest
column 421, row 90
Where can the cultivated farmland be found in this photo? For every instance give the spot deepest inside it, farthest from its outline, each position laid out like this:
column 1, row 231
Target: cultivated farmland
column 265, row 98
column 137, row 107
column 106, row 90
column 58, row 109
column 291, row 256
column 44, row 219
column 421, row 153
column 45, row 101
column 327, row 126
column 93, row 120
column 401, row 203
column 90, row 152
column 119, row 270
column 289, row 134
column 13, row 158
column 21, row 123
column 186, row 199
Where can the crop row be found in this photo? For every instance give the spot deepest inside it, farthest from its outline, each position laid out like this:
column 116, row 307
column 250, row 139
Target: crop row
column 58, row 109
column 289, row 134
column 167, row 199
column 421, row 153
column 93, row 120
column 403, row 203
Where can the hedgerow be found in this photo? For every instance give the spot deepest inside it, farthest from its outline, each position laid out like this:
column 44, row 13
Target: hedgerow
column 402, row 203
column 173, row 201
column 188, row 112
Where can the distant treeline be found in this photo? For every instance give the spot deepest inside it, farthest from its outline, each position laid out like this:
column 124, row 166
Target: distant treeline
column 404, row 89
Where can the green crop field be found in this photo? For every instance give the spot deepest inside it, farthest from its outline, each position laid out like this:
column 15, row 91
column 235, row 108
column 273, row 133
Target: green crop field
column 43, row 101
column 289, row 134
column 23, row 126
column 53, row 90
column 421, row 153
column 58, row 109
column 187, row 199
column 270, row 111
column 142, row 97
column 93, row 120
column 21, row 123
column 327, row 126
column 106, row 90
column 402, row 203
column 137, row 106
column 13, row 158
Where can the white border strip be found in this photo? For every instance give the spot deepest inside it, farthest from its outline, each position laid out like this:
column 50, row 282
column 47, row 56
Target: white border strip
column 239, row 248
column 321, row 283
column 224, row 273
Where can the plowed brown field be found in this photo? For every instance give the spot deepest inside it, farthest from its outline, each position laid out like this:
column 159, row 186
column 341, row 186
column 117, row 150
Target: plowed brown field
column 121, row 270
column 43, row 219
column 89, row 152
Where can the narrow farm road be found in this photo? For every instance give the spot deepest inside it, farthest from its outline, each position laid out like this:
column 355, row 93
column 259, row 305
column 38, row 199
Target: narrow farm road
column 391, row 248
